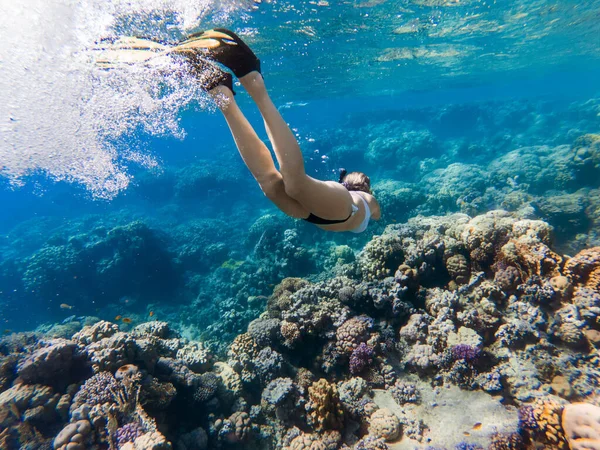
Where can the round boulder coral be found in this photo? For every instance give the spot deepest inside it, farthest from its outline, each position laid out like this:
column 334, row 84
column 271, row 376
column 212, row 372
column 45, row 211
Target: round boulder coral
column 384, row 424
column 73, row 436
column 352, row 332
column 458, row 268
column 381, row 257
column 581, row 422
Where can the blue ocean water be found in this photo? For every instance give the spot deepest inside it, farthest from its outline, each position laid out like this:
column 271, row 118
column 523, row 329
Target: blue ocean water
column 124, row 197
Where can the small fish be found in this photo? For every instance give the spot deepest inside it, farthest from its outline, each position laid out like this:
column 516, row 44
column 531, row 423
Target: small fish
column 7, row 331
column 127, row 320
column 118, row 317
column 65, row 306
column 477, row 426
column 127, row 301
column 151, row 313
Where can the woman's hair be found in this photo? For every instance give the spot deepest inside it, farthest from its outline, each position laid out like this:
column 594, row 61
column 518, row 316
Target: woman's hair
column 356, row 181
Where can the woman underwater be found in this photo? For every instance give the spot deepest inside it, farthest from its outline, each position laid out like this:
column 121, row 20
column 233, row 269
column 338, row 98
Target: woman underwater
column 344, row 206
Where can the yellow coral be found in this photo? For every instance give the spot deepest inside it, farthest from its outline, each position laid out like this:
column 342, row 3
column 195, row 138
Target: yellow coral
column 231, row 264
column 324, row 408
column 547, row 414
column 530, row 258
column 243, row 346
column 584, row 268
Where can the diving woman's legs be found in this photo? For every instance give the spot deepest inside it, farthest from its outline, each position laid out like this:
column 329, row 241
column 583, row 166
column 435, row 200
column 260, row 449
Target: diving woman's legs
column 326, row 199
column 257, row 156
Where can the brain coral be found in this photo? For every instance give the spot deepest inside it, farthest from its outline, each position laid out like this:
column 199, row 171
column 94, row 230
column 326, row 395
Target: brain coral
column 384, row 424
column 236, row 428
column 458, row 268
column 324, row 411
column 306, row 442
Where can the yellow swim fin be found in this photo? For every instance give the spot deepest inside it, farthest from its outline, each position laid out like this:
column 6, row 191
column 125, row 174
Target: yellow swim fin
column 128, row 50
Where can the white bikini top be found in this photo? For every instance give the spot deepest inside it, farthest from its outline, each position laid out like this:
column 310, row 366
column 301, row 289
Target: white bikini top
column 363, row 225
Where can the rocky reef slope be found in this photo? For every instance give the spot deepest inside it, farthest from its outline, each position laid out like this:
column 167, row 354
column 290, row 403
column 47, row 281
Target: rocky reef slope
column 447, row 332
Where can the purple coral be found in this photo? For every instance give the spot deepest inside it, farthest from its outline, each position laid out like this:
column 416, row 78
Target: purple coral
column 362, row 357
column 527, row 418
column 467, row 446
column 100, row 388
column 128, row 433
column 468, row 353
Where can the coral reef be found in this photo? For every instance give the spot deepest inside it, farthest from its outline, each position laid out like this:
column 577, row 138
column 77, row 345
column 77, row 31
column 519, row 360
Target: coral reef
column 482, row 304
